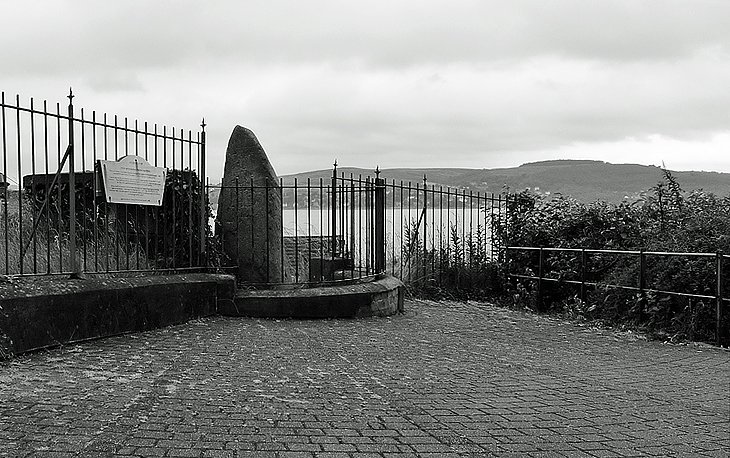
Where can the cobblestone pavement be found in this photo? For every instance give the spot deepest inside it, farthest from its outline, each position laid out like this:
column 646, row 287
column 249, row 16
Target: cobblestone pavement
column 444, row 380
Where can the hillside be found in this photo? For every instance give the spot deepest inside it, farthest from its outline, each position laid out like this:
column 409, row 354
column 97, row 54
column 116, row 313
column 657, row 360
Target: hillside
column 582, row 179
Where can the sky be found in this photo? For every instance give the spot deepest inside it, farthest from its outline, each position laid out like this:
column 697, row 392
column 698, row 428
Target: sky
column 458, row 83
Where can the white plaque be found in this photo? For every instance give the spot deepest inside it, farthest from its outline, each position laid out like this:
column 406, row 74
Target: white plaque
column 132, row 180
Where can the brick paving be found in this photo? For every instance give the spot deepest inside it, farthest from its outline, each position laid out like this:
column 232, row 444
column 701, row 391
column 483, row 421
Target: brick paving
column 443, row 380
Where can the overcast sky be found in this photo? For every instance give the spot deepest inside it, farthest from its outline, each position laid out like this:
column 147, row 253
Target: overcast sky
column 424, row 83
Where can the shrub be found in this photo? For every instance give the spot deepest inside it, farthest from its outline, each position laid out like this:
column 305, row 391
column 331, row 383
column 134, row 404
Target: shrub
column 455, row 267
column 665, row 219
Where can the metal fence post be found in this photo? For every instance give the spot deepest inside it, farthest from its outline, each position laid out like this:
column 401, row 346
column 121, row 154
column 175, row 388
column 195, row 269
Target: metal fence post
column 583, row 275
column 334, row 210
column 642, row 276
column 379, row 223
column 352, row 218
column 425, row 230
column 507, row 274
column 719, row 300
column 203, row 198
column 73, row 265
column 503, row 242
column 540, row 271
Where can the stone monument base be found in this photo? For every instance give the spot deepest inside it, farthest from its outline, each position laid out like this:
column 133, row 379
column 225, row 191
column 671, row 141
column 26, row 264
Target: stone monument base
column 381, row 296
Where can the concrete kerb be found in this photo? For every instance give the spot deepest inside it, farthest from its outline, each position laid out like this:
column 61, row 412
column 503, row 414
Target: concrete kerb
column 382, row 296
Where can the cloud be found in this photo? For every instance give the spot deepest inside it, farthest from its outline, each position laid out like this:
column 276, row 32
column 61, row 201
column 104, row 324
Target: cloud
column 405, row 83
column 115, row 81
column 137, row 34
column 709, row 153
column 470, row 113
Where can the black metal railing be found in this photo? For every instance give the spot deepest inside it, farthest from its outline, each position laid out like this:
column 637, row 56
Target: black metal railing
column 539, row 268
column 54, row 218
column 321, row 232
column 353, row 226
column 442, row 236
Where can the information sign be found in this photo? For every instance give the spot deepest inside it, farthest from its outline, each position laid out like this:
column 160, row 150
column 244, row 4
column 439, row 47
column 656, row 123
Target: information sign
column 132, row 180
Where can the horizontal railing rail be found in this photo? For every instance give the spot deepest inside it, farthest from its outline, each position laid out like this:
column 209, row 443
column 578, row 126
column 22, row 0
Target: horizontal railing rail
column 642, row 288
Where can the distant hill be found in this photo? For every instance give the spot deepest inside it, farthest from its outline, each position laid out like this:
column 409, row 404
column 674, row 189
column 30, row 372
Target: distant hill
column 584, row 180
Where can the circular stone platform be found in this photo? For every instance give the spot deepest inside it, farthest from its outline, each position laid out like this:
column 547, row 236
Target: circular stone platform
column 382, row 296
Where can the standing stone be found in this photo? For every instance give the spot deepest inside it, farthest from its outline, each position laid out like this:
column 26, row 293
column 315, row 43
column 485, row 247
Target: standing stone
column 249, row 219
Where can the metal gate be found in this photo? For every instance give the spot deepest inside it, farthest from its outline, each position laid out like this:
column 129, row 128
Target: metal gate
column 53, row 217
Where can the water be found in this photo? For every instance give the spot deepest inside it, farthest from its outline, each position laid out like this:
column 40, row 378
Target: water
column 439, row 227
column 319, row 222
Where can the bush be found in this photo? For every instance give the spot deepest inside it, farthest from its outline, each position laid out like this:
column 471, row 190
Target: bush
column 456, row 267
column 665, row 219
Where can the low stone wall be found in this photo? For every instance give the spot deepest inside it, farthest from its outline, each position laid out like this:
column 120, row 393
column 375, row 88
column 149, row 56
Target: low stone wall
column 50, row 312
column 382, row 297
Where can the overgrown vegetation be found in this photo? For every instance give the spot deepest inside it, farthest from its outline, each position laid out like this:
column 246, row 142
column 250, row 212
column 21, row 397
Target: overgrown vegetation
column 666, row 219
column 109, row 237
column 458, row 266
column 47, row 251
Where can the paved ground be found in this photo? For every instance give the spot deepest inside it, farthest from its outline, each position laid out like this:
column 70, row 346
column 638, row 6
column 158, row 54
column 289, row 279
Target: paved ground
column 443, row 380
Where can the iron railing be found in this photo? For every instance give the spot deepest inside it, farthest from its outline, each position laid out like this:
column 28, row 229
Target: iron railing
column 327, row 230
column 440, row 235
column 353, row 226
column 541, row 274
column 54, row 218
